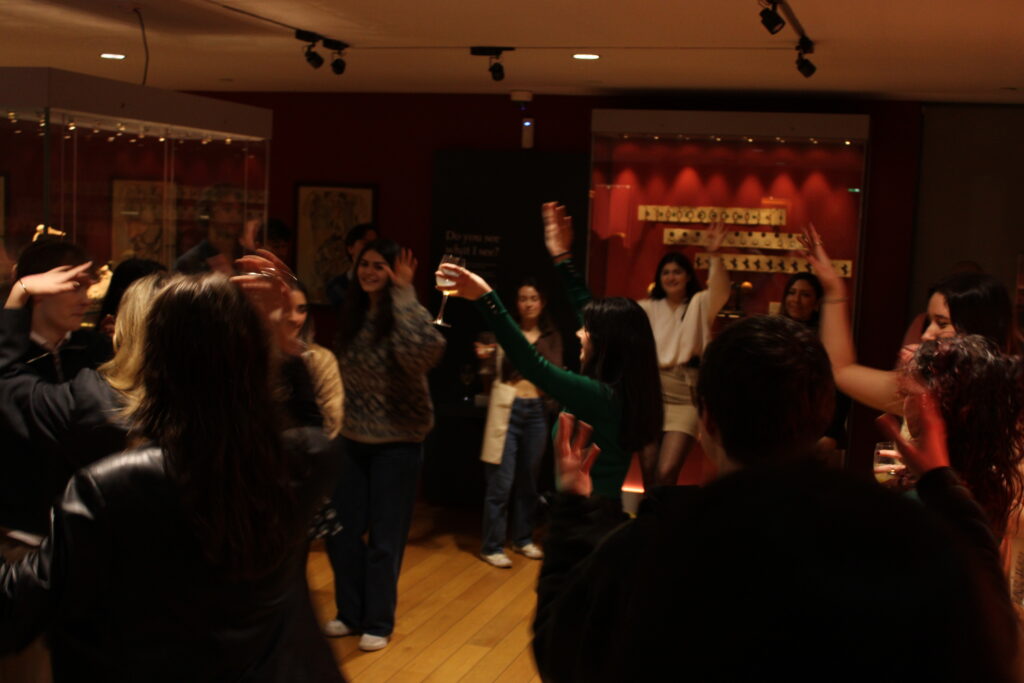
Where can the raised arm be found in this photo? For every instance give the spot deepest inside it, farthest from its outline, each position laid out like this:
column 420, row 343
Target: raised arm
column 719, row 284
column 875, row 388
column 586, row 397
column 558, row 240
column 417, row 343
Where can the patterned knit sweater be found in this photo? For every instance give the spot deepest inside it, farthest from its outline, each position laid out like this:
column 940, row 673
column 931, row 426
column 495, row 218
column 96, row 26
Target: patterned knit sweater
column 386, row 394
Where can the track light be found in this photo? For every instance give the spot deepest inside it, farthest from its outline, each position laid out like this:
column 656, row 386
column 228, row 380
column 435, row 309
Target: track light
column 805, row 46
column 495, row 67
column 805, row 66
column 338, row 47
column 307, row 36
column 771, row 19
column 314, row 58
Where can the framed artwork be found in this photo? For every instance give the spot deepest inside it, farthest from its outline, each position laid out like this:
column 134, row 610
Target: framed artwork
column 142, row 220
column 325, row 215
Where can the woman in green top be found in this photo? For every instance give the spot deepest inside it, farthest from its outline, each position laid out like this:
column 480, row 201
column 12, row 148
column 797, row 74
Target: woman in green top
column 618, row 391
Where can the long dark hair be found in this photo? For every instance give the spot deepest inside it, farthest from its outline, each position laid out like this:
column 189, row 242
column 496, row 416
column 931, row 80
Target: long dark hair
column 979, row 304
column 978, row 390
column 207, row 403
column 624, row 357
column 693, row 285
column 357, row 302
column 544, row 323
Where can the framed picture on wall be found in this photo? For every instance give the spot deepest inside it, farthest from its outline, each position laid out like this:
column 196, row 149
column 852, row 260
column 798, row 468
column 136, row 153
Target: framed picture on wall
column 325, row 215
column 140, row 227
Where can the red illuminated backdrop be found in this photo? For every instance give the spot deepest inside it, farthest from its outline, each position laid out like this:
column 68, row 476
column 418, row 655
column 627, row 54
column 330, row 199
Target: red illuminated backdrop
column 816, row 183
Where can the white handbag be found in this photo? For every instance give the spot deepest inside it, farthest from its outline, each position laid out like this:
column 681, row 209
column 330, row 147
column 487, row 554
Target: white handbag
column 499, row 409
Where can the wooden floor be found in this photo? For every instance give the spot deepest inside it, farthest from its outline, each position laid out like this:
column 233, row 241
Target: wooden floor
column 458, row 618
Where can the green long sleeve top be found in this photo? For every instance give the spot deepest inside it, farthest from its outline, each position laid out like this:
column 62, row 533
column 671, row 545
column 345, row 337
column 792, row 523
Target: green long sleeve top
column 586, row 398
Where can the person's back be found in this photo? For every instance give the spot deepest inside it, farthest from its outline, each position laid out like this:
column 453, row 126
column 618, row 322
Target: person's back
column 185, row 560
column 799, row 573
column 780, row 569
column 138, row 599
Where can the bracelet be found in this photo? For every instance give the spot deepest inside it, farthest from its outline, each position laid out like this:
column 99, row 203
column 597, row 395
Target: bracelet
column 834, row 300
column 24, row 287
column 564, row 253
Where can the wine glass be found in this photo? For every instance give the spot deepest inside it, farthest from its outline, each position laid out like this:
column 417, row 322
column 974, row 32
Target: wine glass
column 888, row 462
column 447, row 286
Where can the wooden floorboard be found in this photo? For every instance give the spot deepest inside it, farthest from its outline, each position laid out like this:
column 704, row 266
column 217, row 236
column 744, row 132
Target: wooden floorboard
column 458, row 618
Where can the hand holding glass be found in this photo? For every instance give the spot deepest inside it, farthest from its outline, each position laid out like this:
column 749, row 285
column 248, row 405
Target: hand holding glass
column 888, row 462
column 446, row 285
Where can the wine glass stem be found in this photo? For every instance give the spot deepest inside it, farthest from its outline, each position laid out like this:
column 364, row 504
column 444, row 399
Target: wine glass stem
column 444, row 300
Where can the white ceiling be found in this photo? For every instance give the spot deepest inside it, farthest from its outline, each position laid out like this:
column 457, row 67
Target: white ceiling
column 905, row 49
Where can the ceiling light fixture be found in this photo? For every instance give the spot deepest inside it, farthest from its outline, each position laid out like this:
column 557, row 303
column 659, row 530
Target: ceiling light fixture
column 313, row 58
column 805, row 46
column 586, row 56
column 496, row 69
column 771, row 19
column 338, row 47
column 111, row 55
column 493, row 54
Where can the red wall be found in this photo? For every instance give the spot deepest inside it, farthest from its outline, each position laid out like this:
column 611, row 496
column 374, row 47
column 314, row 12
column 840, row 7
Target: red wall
column 388, row 140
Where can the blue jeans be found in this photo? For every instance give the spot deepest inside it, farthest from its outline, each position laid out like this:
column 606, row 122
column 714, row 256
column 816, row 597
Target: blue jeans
column 375, row 496
column 513, row 483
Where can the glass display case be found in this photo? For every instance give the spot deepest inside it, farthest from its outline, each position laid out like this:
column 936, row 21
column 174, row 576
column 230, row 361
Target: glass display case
column 659, row 177
column 126, row 170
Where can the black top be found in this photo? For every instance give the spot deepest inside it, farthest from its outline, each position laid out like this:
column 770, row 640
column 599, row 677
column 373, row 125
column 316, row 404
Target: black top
column 795, row 573
column 126, row 593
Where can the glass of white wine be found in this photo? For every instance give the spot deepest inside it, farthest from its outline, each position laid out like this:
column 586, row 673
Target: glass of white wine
column 888, row 462
column 446, row 285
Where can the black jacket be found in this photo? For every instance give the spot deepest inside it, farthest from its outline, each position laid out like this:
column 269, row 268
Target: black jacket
column 126, row 594
column 784, row 574
column 48, row 430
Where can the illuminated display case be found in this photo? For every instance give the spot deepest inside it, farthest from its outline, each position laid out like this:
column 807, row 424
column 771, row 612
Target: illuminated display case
column 658, row 178
column 122, row 169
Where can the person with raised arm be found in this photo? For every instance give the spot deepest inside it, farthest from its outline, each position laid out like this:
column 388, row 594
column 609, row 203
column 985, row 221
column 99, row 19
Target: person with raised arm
column 617, row 390
column 185, row 558
column 387, row 345
column 779, row 569
column 964, row 303
column 682, row 315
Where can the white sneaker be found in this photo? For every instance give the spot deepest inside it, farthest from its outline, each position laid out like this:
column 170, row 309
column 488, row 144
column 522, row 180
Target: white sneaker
column 369, row 643
column 530, row 550
column 336, row 628
column 498, row 559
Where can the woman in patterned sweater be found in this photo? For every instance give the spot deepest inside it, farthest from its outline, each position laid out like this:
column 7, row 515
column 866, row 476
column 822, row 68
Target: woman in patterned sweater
column 386, row 347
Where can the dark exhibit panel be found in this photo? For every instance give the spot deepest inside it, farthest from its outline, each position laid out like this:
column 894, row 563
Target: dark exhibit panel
column 486, row 209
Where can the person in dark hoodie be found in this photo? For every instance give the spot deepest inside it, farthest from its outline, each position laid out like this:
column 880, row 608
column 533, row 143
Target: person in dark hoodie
column 781, row 569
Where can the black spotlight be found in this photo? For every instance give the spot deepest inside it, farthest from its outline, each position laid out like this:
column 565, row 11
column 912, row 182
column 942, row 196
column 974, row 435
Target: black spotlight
column 771, row 19
column 494, row 54
column 338, row 65
column 805, row 66
column 314, row 58
column 497, row 70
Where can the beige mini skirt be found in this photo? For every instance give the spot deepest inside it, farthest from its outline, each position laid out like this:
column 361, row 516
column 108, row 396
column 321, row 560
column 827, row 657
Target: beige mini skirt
column 676, row 392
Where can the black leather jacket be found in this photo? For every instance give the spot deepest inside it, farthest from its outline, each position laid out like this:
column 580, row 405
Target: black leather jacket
column 126, row 594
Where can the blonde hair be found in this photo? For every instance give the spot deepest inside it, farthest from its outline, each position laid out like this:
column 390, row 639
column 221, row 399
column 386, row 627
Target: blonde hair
column 123, row 370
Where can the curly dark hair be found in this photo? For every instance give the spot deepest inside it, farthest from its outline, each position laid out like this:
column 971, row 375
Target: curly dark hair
column 978, row 392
